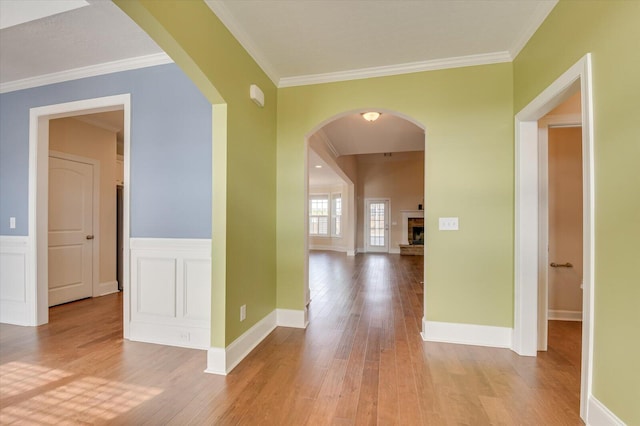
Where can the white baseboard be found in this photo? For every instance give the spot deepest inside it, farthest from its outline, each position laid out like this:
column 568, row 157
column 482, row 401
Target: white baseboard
column 559, row 315
column 466, row 334
column 106, row 288
column 170, row 335
column 223, row 360
column 327, row 248
column 394, row 250
column 351, row 252
column 600, row 415
column 292, row 318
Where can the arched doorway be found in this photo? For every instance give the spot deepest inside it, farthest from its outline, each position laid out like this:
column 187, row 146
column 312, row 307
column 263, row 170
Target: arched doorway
column 378, row 167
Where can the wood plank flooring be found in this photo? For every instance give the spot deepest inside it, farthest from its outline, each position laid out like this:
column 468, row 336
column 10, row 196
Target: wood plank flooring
column 360, row 361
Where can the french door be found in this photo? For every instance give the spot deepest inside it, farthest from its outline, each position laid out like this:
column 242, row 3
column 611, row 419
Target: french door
column 377, row 225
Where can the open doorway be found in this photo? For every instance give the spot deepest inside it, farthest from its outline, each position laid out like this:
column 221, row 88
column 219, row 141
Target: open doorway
column 528, row 244
column 560, row 217
column 86, row 154
column 560, row 297
column 42, row 120
column 382, row 162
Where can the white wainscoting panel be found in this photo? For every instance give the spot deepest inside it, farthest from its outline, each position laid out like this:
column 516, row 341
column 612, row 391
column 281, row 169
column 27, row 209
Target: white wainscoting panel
column 14, row 280
column 171, row 291
column 156, row 285
column 195, row 306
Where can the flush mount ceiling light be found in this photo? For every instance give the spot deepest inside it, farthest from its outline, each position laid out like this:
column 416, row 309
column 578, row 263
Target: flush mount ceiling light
column 318, row 166
column 371, row 116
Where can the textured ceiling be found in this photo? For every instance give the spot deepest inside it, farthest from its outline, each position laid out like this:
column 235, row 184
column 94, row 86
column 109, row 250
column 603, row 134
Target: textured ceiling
column 292, row 38
column 91, row 35
column 296, row 38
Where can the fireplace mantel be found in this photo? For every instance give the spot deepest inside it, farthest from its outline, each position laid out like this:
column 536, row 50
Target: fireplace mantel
column 406, row 214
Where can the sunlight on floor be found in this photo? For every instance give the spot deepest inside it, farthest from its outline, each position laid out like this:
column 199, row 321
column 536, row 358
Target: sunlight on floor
column 20, row 377
column 84, row 399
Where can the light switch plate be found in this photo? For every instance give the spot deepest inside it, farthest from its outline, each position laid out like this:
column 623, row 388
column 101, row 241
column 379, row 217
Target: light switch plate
column 12, row 223
column 448, row 224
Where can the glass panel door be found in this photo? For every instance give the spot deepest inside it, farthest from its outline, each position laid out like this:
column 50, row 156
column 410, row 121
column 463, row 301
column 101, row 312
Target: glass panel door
column 378, row 225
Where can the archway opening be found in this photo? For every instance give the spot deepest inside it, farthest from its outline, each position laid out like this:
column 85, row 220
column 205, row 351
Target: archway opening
column 365, row 188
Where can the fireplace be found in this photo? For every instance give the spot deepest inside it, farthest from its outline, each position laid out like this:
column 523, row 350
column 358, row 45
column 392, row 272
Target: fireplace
column 415, row 230
column 412, row 233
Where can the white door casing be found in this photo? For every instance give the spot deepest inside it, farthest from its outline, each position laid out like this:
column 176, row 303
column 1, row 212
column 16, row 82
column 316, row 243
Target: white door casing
column 37, row 268
column 525, row 331
column 71, row 239
column 377, row 225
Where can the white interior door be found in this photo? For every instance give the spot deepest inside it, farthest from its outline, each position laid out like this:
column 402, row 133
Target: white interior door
column 377, row 226
column 70, row 230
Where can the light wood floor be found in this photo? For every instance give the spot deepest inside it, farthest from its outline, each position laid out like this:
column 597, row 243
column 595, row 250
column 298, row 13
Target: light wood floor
column 360, row 361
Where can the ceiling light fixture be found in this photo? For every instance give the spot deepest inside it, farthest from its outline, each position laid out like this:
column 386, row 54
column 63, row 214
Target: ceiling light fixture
column 371, row 116
column 318, row 166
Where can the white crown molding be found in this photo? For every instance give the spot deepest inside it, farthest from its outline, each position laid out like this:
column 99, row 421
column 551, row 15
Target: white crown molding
column 539, row 15
column 229, row 21
column 388, row 70
column 325, row 138
column 89, row 71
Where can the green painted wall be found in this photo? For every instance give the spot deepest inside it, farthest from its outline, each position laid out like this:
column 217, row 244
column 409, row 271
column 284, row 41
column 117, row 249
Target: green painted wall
column 610, row 30
column 468, row 116
column 244, row 156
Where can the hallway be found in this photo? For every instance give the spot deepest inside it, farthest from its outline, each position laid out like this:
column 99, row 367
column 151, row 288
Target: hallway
column 360, row 361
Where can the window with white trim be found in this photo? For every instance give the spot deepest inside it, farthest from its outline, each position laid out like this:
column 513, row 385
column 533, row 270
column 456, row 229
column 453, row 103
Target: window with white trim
column 319, row 214
column 336, row 215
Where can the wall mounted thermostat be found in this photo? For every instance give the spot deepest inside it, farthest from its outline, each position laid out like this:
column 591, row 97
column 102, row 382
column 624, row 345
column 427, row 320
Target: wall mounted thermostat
column 256, row 95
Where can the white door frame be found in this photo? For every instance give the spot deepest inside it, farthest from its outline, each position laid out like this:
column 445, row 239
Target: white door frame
column 95, row 252
column 367, row 202
column 37, row 287
column 525, row 332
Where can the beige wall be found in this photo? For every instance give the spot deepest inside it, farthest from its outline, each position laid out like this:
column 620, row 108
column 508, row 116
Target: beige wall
column 79, row 138
column 400, row 178
column 565, row 218
column 569, row 107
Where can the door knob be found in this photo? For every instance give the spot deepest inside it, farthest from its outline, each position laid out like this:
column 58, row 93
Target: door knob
column 89, row 237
